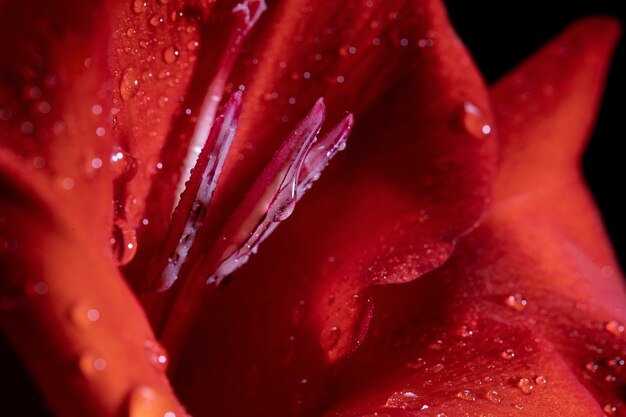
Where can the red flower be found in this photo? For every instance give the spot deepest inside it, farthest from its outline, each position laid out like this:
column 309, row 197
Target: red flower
column 449, row 263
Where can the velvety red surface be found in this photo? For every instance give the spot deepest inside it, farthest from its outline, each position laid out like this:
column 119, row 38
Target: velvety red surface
column 449, row 262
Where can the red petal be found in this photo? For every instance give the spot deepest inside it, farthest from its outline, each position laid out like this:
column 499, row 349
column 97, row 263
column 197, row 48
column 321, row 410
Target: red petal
column 175, row 103
column 54, row 106
column 70, row 316
column 63, row 306
column 416, row 176
column 529, row 310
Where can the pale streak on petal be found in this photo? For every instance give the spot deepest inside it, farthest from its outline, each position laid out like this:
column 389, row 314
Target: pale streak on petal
column 196, row 198
column 248, row 13
column 305, row 168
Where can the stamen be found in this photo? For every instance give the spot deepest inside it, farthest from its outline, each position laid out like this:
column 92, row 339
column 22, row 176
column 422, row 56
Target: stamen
column 270, row 200
column 191, row 210
column 303, row 167
column 246, row 14
column 322, row 152
column 291, row 171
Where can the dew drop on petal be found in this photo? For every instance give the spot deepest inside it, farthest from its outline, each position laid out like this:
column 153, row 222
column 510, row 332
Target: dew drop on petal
column 466, row 395
column 416, row 364
column 91, row 364
column 609, row 409
column 123, row 165
column 474, row 121
column 157, row 355
column 404, row 400
column 437, row 368
column 525, row 385
column 516, row 302
column 129, row 83
column 591, row 366
column 139, row 6
column 614, row 327
column 156, row 20
column 81, row 314
column 163, row 101
column 493, row 396
column 146, row 402
column 330, row 337
column 124, row 242
column 541, row 380
column 68, row 183
column 508, row 354
column 171, row 54
column 34, row 289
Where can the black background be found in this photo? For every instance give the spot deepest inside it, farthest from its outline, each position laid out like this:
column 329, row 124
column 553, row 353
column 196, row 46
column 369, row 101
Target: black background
column 523, row 27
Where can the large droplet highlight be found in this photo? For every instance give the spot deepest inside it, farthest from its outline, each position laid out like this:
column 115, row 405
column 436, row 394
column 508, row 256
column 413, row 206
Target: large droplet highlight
column 146, row 402
column 123, row 242
column 129, row 83
column 157, row 355
column 474, row 121
column 404, row 400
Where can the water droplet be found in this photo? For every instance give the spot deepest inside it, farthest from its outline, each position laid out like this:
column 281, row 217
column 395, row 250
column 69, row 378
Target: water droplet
column 171, row 54
column 68, row 183
column 591, row 366
column 192, row 45
column 609, row 409
column 81, row 314
column 91, row 364
column 541, row 380
column 615, row 328
column 129, row 83
column 516, row 302
column 157, row 355
column 123, row 165
column 96, row 163
column 404, row 400
column 163, row 101
column 493, row 396
column 146, row 402
column 330, row 337
column 436, row 345
column 508, row 354
column 465, row 331
column 525, row 385
column 36, row 288
column 124, row 242
column 416, row 364
column 27, row 128
column 466, row 395
column 139, row 6
column 5, row 114
column 130, row 32
column 474, row 121
column 156, row 20
column 44, row 107
column 437, row 368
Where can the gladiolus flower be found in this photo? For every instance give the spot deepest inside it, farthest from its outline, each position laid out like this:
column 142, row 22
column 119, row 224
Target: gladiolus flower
column 450, row 262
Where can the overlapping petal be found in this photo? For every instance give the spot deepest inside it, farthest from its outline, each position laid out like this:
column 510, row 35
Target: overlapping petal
column 416, row 177
column 531, row 305
column 65, row 308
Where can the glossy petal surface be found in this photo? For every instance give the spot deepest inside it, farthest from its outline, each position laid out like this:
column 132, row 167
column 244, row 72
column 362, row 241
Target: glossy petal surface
column 417, row 176
column 64, row 307
column 530, row 307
